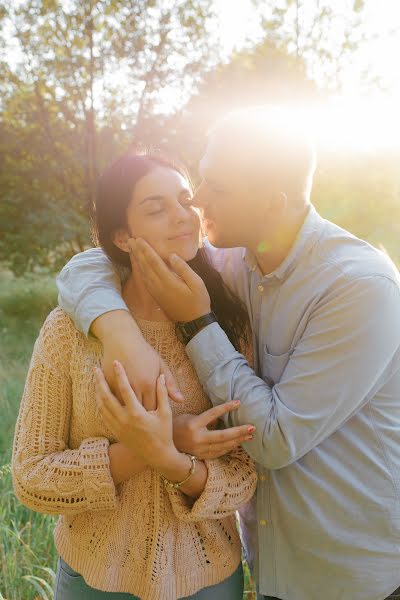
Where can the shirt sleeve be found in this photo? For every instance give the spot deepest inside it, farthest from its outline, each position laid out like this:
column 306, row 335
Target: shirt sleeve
column 350, row 347
column 89, row 285
column 231, row 482
column 48, row 477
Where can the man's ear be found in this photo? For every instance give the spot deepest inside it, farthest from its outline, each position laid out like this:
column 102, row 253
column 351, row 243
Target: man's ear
column 120, row 238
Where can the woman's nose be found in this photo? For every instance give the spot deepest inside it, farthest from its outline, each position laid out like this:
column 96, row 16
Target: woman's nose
column 181, row 213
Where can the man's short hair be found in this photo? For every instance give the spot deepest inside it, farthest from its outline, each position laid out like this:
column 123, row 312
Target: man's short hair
column 271, row 140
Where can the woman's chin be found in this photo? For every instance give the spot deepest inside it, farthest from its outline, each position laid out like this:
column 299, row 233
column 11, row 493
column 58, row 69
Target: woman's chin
column 185, row 251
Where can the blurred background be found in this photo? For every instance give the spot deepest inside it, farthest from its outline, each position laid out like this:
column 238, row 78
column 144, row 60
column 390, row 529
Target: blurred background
column 82, row 82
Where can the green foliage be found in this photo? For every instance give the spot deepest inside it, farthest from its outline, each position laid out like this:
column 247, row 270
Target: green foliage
column 362, row 194
column 64, row 114
column 26, row 538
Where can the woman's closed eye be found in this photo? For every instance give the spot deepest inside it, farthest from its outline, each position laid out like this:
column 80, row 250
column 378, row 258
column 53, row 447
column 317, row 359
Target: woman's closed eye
column 156, row 212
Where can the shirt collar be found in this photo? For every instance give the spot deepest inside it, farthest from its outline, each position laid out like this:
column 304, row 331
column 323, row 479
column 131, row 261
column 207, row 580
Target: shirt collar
column 306, row 237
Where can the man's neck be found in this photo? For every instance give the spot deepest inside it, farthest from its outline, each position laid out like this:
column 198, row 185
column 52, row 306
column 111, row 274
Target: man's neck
column 272, row 248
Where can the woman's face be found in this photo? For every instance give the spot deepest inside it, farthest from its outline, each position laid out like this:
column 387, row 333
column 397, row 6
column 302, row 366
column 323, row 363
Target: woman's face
column 161, row 212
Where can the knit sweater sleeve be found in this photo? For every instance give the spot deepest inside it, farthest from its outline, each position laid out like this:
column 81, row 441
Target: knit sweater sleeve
column 231, row 482
column 49, row 477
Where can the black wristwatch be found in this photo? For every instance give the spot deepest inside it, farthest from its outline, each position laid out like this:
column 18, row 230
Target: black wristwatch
column 186, row 331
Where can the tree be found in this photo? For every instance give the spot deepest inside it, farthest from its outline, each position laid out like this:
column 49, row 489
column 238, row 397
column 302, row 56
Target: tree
column 317, row 31
column 90, row 73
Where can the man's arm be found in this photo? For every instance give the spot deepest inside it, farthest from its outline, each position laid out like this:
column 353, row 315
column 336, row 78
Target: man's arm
column 346, row 352
column 89, row 289
column 88, row 286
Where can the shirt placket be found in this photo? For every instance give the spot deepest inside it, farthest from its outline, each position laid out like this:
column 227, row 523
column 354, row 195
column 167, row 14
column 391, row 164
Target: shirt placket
column 265, row 290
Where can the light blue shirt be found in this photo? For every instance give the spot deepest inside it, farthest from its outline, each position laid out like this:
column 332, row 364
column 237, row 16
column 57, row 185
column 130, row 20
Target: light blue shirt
column 325, row 400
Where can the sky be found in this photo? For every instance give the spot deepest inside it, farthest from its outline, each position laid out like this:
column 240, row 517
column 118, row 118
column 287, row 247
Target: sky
column 358, row 118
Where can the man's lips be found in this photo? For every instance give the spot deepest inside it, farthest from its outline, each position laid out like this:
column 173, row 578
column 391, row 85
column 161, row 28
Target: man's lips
column 208, row 223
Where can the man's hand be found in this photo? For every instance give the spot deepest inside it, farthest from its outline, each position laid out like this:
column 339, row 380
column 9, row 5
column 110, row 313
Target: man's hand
column 191, row 433
column 180, row 292
column 123, row 341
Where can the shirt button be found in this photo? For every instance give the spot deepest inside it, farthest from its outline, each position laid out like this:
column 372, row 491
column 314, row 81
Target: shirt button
column 262, row 477
column 263, row 522
column 260, row 288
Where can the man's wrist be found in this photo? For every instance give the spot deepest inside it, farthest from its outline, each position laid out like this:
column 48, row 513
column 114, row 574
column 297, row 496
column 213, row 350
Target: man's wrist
column 188, row 330
column 112, row 323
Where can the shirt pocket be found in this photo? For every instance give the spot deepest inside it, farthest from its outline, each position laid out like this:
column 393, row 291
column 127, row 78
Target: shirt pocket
column 273, row 366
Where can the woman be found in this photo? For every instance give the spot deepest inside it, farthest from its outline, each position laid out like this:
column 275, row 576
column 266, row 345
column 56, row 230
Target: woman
column 138, row 518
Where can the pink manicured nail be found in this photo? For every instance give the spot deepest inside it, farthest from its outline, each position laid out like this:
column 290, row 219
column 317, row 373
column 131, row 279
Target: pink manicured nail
column 251, row 429
column 236, row 402
column 162, row 378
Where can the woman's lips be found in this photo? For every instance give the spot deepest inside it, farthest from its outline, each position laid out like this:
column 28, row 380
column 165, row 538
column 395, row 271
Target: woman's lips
column 182, row 236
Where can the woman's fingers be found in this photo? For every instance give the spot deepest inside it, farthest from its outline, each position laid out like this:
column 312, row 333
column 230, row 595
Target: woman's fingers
column 218, row 450
column 173, row 390
column 125, row 389
column 105, row 398
column 162, row 396
column 237, row 434
column 216, row 412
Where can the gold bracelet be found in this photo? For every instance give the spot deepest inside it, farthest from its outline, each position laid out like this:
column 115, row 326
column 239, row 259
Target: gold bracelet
column 169, row 483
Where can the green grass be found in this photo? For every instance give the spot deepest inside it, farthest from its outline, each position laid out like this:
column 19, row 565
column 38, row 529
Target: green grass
column 26, row 538
column 27, row 553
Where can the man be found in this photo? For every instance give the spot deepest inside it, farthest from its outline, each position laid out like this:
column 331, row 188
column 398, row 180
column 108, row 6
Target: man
column 325, row 394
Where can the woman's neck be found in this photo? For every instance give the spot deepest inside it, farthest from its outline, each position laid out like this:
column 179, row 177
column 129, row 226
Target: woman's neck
column 138, row 298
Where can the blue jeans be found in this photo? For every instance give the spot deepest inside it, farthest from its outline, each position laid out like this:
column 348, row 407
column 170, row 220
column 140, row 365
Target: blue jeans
column 70, row 585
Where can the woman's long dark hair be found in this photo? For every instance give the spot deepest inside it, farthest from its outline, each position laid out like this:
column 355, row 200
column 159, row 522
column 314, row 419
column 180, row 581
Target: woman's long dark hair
column 114, row 192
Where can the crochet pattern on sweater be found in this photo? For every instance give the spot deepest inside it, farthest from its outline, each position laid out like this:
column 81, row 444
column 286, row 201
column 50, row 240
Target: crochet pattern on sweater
column 138, row 537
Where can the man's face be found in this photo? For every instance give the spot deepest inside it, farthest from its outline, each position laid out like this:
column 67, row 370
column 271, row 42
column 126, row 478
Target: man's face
column 226, row 201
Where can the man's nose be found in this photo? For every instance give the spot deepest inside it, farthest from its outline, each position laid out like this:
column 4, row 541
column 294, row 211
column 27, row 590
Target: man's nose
column 199, row 199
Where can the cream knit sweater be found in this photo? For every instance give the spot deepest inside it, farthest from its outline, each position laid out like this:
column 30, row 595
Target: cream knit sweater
column 138, row 537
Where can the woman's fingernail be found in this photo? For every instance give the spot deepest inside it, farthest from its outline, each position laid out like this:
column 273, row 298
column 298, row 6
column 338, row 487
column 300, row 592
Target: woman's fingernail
column 236, row 402
column 248, row 438
column 251, row 429
column 173, row 257
column 162, row 378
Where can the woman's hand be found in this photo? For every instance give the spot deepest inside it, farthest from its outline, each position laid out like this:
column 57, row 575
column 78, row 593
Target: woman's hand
column 147, row 433
column 192, row 433
column 123, row 341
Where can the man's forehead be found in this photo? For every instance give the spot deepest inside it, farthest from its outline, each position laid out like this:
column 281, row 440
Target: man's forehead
column 216, row 161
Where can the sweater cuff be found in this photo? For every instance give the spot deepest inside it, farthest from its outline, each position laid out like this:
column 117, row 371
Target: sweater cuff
column 98, row 484
column 208, row 505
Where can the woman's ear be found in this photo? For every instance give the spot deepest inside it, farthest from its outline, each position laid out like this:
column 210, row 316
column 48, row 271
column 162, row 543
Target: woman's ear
column 120, row 239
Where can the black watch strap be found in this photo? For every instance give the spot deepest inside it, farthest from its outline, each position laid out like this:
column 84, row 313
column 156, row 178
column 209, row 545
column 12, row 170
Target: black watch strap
column 186, row 331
